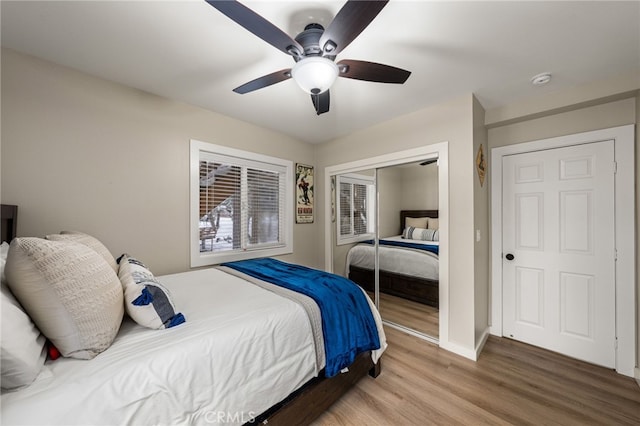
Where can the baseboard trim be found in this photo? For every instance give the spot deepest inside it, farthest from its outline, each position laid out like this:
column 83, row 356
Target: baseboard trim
column 637, row 375
column 483, row 340
column 471, row 354
column 459, row 350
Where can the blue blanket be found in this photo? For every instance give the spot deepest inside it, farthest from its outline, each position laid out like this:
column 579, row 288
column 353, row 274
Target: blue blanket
column 418, row 246
column 348, row 325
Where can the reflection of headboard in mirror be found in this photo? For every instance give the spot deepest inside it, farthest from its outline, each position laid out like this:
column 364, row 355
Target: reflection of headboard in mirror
column 9, row 222
column 415, row 213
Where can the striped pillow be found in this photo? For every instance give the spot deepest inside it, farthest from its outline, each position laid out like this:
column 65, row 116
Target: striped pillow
column 69, row 291
column 88, row 241
column 146, row 301
column 423, row 234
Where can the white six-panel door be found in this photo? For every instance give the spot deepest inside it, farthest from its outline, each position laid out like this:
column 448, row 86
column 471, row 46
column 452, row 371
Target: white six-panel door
column 558, row 224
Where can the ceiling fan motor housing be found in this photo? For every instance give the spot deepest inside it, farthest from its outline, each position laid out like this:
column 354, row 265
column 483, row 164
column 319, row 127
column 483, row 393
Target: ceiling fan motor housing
column 309, row 39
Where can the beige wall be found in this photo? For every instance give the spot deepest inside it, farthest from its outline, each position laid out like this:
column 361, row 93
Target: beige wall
column 452, row 122
column 390, row 191
column 637, row 232
column 79, row 152
column 340, row 257
column 407, row 187
column 419, row 188
column 597, row 116
column 482, row 254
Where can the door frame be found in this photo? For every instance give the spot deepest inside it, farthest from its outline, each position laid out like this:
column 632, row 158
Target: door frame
column 623, row 137
column 441, row 151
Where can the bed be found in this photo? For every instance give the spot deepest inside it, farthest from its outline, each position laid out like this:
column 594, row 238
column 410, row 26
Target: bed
column 410, row 273
column 249, row 351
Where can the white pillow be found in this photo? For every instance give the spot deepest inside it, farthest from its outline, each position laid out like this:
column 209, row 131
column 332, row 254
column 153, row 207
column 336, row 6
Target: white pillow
column 416, row 222
column 146, row 300
column 422, row 234
column 22, row 346
column 88, row 241
column 69, row 291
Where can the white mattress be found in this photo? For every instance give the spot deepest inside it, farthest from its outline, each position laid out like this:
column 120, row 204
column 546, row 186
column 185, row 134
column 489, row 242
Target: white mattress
column 400, row 260
column 127, row 384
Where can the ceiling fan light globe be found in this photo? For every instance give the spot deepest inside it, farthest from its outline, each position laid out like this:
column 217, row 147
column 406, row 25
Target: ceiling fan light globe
column 315, row 74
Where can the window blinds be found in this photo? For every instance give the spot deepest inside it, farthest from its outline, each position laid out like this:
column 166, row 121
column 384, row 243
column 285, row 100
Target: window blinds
column 345, row 208
column 354, row 205
column 360, row 209
column 242, row 203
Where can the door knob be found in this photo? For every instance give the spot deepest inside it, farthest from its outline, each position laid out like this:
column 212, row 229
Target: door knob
column 509, row 256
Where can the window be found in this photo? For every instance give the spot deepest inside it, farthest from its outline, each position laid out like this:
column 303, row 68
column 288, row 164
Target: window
column 241, row 205
column 356, row 208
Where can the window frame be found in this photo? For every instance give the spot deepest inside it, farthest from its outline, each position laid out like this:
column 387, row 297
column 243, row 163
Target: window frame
column 197, row 148
column 370, row 182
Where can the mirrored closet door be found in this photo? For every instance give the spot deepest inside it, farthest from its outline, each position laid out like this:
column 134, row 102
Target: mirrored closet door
column 408, row 246
column 386, row 240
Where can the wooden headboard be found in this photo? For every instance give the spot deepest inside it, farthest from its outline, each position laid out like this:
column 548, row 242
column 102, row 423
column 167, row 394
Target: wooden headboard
column 415, row 213
column 9, row 222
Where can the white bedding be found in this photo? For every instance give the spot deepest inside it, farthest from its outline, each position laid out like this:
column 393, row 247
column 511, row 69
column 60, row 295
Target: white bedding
column 127, row 384
column 400, row 260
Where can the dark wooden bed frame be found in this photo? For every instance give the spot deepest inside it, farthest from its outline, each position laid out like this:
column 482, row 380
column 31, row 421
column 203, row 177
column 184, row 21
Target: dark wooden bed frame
column 9, row 225
column 303, row 405
column 309, row 402
column 419, row 290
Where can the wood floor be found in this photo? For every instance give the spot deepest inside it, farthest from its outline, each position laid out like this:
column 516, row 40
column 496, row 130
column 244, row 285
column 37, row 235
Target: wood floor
column 418, row 316
column 512, row 383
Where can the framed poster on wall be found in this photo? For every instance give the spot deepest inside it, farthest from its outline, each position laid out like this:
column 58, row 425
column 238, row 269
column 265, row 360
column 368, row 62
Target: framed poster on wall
column 481, row 164
column 304, row 193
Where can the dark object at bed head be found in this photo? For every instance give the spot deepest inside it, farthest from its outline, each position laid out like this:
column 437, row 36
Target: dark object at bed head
column 9, row 222
column 415, row 213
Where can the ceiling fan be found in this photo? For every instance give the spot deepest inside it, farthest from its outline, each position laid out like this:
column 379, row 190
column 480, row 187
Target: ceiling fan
column 314, row 50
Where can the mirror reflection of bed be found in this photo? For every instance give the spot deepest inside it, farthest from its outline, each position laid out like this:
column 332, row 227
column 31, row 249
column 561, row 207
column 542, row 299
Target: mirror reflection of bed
column 407, row 196
column 408, row 263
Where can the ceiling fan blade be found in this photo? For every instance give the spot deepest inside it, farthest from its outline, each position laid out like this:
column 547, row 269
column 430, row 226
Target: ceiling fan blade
column 350, row 21
column 264, row 81
column 371, row 71
column 429, row 161
column 321, row 102
column 259, row 26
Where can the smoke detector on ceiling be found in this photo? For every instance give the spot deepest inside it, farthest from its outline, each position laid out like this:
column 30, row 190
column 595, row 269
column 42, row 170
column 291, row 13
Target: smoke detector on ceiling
column 540, row 79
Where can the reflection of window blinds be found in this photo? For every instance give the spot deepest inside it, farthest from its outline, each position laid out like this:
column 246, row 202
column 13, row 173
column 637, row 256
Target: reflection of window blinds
column 359, row 209
column 353, row 208
column 345, row 208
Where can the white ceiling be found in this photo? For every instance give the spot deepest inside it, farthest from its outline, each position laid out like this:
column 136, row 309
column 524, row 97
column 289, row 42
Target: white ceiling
column 188, row 51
